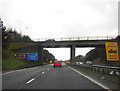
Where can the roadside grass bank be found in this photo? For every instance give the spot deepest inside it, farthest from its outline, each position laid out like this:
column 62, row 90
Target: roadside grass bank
column 16, row 64
column 11, row 63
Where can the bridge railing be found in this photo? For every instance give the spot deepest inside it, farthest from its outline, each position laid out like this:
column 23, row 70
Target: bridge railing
column 77, row 38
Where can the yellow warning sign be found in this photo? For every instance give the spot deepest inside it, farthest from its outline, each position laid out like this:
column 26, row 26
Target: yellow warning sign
column 66, row 61
column 50, row 61
column 112, row 51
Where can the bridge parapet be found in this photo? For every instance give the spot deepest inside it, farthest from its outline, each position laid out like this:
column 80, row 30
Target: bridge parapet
column 77, row 38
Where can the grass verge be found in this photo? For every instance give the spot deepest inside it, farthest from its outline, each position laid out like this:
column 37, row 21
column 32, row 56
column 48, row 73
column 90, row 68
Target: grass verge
column 11, row 63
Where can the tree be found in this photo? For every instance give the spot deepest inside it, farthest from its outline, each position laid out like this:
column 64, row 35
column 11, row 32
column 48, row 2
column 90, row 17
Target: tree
column 4, row 35
column 47, row 56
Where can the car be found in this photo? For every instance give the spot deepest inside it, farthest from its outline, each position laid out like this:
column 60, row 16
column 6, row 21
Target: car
column 57, row 63
column 50, row 40
column 89, row 62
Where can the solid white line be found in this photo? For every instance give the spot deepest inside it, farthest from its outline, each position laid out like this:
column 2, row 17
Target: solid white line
column 101, row 85
column 47, row 69
column 30, row 80
column 43, row 72
column 8, row 72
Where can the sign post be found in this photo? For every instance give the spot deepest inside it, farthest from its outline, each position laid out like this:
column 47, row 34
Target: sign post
column 112, row 51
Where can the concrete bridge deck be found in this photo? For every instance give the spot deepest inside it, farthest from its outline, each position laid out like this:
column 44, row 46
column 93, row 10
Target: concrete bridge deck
column 77, row 43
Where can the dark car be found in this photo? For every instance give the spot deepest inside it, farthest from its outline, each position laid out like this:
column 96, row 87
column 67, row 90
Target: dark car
column 50, row 40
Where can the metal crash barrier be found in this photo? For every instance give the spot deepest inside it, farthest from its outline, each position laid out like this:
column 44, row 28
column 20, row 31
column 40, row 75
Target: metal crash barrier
column 109, row 70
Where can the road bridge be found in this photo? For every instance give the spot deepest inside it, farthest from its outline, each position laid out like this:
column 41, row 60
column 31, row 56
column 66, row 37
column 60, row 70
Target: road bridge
column 72, row 43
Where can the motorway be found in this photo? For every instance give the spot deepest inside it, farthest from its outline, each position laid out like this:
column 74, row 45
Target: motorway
column 47, row 77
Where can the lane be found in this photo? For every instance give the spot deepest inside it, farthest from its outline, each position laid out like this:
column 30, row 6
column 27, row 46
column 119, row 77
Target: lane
column 61, row 78
column 18, row 79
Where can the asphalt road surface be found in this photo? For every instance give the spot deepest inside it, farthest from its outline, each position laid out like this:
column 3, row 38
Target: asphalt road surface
column 47, row 77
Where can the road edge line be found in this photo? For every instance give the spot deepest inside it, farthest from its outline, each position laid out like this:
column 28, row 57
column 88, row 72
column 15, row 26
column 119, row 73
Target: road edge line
column 89, row 78
column 17, row 70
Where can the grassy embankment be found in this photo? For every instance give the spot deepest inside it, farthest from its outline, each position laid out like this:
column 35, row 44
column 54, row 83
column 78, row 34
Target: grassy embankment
column 8, row 59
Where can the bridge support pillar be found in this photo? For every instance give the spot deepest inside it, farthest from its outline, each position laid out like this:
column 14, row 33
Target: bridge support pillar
column 72, row 52
column 40, row 54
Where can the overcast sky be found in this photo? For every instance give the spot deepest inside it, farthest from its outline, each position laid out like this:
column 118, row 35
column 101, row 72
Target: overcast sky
column 61, row 18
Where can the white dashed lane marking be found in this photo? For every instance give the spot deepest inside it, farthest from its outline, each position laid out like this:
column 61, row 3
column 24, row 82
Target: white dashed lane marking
column 31, row 80
column 43, row 72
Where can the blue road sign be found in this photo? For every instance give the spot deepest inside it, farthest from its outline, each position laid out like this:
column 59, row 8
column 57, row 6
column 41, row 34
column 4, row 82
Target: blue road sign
column 32, row 56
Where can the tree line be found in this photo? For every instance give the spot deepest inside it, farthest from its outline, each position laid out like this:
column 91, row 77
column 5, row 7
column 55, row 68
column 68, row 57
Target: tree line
column 12, row 36
column 9, row 36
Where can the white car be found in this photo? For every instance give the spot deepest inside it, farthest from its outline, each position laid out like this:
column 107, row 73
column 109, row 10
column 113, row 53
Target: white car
column 89, row 62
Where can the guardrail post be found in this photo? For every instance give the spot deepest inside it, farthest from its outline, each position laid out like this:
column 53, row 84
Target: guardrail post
column 90, row 69
column 114, row 72
column 103, row 70
column 108, row 71
column 94, row 69
column 98, row 69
